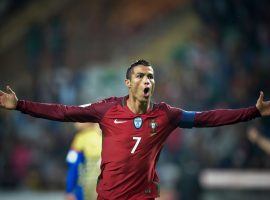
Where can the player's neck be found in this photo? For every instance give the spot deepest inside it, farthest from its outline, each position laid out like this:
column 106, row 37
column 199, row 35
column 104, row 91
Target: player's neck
column 138, row 107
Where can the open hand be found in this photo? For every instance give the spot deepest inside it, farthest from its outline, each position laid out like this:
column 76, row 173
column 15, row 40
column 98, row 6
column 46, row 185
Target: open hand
column 8, row 99
column 263, row 106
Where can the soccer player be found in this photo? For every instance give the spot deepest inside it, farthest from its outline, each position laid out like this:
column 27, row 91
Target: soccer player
column 134, row 130
column 83, row 161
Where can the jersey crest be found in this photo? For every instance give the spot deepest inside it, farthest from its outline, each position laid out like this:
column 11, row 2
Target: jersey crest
column 153, row 125
column 137, row 122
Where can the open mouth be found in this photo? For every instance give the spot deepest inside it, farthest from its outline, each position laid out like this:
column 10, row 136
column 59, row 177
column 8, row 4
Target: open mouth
column 146, row 91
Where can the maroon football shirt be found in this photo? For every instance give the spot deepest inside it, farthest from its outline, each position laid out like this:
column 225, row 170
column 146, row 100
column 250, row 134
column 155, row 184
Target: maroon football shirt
column 131, row 142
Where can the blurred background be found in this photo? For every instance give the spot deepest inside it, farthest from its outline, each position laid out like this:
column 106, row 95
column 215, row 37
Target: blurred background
column 206, row 54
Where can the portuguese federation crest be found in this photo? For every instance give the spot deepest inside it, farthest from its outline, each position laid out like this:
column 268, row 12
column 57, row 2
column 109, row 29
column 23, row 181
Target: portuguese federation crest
column 137, row 122
column 153, row 125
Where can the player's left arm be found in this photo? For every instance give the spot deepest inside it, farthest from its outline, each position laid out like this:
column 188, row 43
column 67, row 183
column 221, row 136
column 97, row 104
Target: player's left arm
column 222, row 117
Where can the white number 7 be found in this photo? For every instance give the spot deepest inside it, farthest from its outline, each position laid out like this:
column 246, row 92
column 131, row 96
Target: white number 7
column 138, row 139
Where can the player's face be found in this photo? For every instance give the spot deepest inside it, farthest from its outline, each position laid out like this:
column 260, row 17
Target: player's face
column 142, row 83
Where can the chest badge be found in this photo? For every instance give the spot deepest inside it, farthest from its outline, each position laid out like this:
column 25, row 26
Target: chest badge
column 137, row 122
column 153, row 125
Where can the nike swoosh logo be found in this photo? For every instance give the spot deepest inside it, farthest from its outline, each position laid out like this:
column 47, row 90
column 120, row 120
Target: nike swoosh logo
column 116, row 121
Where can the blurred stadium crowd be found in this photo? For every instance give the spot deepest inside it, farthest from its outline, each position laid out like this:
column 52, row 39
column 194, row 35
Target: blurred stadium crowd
column 207, row 54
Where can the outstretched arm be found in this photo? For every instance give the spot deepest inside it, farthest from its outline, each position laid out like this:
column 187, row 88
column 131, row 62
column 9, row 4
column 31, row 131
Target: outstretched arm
column 57, row 112
column 230, row 116
column 222, row 117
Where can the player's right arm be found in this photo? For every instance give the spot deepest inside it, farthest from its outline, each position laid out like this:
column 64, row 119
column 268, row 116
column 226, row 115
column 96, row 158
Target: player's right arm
column 58, row 112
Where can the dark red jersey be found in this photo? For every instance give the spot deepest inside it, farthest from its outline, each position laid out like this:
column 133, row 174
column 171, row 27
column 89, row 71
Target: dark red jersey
column 131, row 142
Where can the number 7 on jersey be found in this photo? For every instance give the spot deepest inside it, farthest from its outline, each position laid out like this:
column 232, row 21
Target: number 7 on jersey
column 138, row 139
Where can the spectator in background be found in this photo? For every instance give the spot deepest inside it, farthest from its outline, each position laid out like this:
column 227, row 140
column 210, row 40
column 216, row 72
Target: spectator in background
column 83, row 162
column 257, row 138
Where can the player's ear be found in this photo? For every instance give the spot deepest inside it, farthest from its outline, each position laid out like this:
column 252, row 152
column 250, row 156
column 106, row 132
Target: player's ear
column 127, row 81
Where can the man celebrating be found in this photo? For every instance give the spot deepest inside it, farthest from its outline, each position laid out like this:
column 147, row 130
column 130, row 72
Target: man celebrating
column 133, row 130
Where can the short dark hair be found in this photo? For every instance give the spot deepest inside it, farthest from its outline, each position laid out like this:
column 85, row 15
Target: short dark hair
column 138, row 62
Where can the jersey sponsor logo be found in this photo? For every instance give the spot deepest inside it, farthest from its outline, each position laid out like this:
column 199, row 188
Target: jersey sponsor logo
column 116, row 121
column 153, row 125
column 137, row 122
